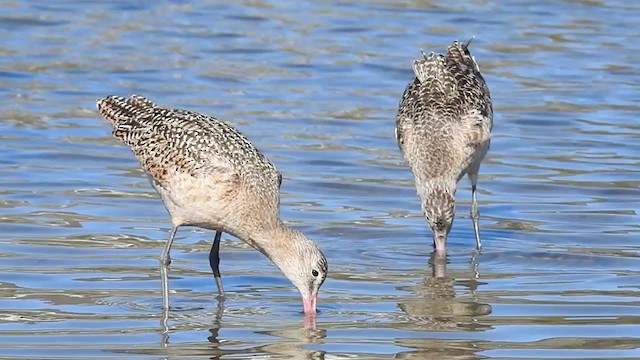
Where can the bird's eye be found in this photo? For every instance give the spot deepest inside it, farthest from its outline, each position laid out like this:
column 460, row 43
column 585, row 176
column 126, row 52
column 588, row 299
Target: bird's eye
column 314, row 273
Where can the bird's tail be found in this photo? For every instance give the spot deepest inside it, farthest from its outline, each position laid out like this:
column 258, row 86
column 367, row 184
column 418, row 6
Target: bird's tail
column 430, row 67
column 439, row 71
column 460, row 55
column 119, row 110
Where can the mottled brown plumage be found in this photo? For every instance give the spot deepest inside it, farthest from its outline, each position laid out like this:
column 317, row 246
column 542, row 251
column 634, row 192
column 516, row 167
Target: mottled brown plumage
column 199, row 144
column 443, row 128
column 209, row 175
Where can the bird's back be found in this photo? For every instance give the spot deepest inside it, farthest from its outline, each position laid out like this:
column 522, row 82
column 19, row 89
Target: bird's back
column 445, row 112
column 173, row 141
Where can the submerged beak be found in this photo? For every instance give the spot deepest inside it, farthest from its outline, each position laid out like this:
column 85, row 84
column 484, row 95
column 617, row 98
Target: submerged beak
column 309, row 304
column 440, row 242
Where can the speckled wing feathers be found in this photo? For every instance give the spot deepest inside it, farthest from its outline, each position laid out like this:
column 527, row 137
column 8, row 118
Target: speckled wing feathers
column 447, row 106
column 473, row 93
column 174, row 140
column 432, row 70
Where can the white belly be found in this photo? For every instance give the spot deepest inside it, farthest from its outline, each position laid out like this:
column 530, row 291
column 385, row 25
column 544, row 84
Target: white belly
column 192, row 201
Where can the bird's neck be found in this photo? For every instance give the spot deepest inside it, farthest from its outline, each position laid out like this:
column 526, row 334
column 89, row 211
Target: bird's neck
column 427, row 185
column 271, row 239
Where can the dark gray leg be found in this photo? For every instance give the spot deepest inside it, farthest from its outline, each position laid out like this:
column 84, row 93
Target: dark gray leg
column 164, row 280
column 165, row 260
column 214, row 261
column 475, row 216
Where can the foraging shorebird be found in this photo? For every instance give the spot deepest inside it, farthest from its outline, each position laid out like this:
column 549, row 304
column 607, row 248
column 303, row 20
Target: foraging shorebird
column 209, row 175
column 443, row 128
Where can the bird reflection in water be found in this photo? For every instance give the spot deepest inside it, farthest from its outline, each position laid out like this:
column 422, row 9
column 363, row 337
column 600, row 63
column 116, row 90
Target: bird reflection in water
column 436, row 306
column 216, row 324
column 289, row 345
column 292, row 347
column 291, row 342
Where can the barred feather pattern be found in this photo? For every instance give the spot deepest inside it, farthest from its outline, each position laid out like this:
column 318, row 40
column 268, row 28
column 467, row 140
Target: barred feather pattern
column 445, row 113
column 443, row 129
column 174, row 141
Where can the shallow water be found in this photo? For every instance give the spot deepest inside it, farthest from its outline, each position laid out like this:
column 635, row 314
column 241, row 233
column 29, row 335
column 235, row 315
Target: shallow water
column 316, row 86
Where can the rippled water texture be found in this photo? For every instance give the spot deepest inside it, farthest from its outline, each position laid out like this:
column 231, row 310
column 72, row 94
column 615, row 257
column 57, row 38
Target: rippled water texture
column 315, row 85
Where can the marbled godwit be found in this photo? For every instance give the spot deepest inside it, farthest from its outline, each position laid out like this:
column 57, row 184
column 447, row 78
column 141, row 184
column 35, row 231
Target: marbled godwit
column 443, row 128
column 209, row 175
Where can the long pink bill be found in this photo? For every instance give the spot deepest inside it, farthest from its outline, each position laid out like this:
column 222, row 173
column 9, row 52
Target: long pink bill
column 309, row 304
